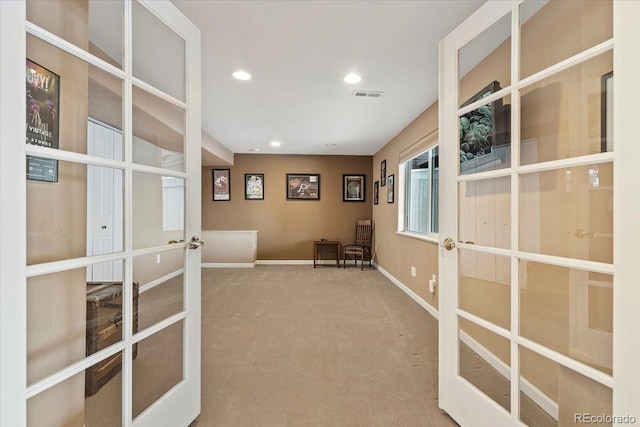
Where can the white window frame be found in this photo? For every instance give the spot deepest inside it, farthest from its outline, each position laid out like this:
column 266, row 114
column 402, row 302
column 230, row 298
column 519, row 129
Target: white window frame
column 425, row 145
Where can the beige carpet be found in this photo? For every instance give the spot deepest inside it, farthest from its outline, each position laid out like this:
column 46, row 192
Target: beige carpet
column 297, row 346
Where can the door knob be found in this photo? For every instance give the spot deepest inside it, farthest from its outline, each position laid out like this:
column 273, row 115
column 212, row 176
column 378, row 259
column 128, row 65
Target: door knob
column 195, row 242
column 448, row 243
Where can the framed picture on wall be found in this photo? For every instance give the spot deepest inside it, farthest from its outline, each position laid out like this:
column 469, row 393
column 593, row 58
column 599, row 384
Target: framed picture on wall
column 376, row 190
column 221, row 184
column 390, row 189
column 383, row 172
column 353, row 188
column 303, row 186
column 254, row 186
column 43, row 122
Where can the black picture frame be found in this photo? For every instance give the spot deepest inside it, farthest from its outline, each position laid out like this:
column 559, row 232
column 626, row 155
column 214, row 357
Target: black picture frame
column 254, row 186
column 376, row 192
column 221, row 185
column 390, row 188
column 354, row 188
column 383, row 173
column 303, row 186
column 42, row 119
column 606, row 112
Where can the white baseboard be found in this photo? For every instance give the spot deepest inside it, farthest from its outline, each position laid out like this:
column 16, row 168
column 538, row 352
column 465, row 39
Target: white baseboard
column 154, row 283
column 284, row 262
column 428, row 307
column 533, row 392
column 228, row 265
column 295, row 262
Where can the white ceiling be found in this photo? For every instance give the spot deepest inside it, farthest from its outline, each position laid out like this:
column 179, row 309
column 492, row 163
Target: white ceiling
column 298, row 53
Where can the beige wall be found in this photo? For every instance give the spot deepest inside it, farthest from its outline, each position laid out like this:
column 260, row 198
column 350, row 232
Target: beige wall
column 287, row 228
column 397, row 253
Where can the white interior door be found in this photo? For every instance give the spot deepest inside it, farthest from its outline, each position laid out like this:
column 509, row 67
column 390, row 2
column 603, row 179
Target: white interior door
column 74, row 353
column 104, row 202
column 528, row 212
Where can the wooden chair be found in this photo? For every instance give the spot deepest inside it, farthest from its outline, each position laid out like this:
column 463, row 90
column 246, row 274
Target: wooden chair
column 362, row 246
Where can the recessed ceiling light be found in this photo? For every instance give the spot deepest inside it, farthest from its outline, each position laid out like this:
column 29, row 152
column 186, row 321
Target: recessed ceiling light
column 275, row 144
column 242, row 75
column 353, row 78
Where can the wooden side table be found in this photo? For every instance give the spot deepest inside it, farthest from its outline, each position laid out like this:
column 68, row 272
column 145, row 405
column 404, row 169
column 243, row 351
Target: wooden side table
column 324, row 246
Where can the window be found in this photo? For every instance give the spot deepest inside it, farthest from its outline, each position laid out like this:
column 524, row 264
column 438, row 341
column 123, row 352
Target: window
column 421, row 193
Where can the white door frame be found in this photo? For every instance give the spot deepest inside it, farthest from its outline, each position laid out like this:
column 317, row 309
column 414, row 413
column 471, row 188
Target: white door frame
column 457, row 397
column 182, row 403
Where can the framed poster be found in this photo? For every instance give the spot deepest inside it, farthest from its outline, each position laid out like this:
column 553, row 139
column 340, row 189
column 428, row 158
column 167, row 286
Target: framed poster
column 390, row 189
column 301, row 186
column 353, row 188
column 376, row 190
column 43, row 122
column 221, row 184
column 254, row 186
column 383, row 172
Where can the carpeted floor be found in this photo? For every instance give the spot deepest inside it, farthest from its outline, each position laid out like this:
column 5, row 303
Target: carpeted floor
column 297, row 346
column 301, row 347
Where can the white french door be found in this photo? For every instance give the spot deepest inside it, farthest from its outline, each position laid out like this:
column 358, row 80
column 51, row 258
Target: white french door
column 538, row 303
column 122, row 352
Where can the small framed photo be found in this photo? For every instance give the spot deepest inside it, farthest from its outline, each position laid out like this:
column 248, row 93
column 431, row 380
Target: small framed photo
column 383, row 172
column 376, row 191
column 254, row 186
column 303, row 186
column 353, row 188
column 390, row 189
column 221, row 184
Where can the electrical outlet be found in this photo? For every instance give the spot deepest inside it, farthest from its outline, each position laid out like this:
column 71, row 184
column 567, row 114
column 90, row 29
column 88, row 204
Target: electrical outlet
column 413, row 271
column 158, row 259
column 432, row 286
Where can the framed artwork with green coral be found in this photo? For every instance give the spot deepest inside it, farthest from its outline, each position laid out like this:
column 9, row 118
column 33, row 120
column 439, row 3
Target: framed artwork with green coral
column 484, row 134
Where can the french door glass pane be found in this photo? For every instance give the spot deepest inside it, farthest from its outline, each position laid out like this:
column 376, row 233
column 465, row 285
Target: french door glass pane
column 485, row 59
column 153, row 44
column 69, row 318
column 569, row 311
column 162, row 353
column 63, row 92
column 484, row 286
column 158, row 210
column 79, row 214
column 162, row 285
column 68, row 404
column 562, row 115
column 551, row 31
column 94, row 26
column 568, row 212
column 484, row 361
column 158, row 132
column 485, row 212
column 559, row 395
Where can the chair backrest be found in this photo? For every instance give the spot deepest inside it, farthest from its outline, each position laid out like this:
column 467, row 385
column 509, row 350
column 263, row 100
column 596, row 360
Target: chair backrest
column 363, row 232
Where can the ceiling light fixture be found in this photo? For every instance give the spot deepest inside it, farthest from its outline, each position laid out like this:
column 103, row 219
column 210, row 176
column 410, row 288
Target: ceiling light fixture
column 353, row 78
column 275, row 144
column 254, row 150
column 241, row 75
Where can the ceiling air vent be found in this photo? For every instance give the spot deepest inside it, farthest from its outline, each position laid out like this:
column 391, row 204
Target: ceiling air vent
column 367, row 94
